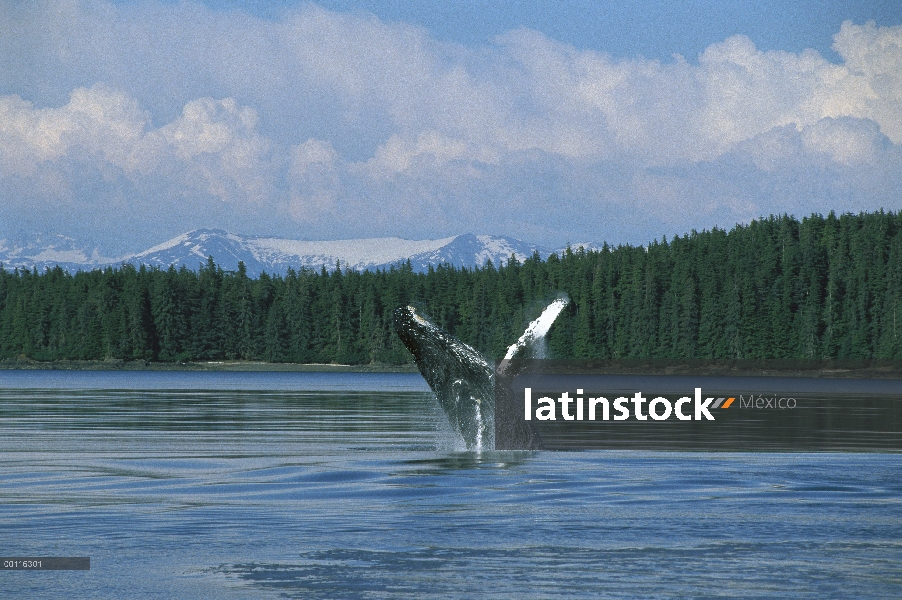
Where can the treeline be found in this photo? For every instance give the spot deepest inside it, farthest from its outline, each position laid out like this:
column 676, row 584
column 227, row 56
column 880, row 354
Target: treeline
column 822, row 287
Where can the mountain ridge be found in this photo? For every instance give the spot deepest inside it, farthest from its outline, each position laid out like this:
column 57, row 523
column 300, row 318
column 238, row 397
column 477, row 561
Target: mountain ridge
column 273, row 255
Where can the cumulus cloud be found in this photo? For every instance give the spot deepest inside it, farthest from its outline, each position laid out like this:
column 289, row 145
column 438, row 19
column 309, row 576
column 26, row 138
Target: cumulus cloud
column 218, row 143
column 213, row 142
column 320, row 124
column 97, row 121
column 846, row 140
column 314, row 182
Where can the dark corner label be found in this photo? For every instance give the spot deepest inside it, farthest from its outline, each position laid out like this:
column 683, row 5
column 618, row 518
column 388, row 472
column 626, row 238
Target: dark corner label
column 45, row 563
column 569, row 405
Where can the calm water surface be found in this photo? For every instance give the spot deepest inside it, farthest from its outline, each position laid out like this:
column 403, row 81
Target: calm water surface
column 313, row 485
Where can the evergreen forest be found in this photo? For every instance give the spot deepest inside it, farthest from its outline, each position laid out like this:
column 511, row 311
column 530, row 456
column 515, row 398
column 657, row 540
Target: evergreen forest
column 822, row 287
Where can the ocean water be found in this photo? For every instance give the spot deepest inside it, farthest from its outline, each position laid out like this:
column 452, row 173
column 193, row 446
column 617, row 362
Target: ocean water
column 315, row 485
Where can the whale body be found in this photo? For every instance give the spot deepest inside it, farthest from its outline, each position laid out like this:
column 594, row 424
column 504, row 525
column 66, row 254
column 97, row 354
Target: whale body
column 463, row 381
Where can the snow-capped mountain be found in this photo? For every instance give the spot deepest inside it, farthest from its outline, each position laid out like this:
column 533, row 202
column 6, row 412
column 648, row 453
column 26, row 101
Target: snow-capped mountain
column 41, row 251
column 276, row 255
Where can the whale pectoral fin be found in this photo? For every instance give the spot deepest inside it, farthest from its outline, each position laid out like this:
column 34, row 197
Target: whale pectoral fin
column 461, row 379
column 531, row 343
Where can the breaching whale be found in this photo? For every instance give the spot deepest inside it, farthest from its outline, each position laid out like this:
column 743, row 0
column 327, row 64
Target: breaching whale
column 464, row 382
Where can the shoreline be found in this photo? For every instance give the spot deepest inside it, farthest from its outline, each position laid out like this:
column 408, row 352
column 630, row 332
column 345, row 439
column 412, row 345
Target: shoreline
column 826, row 369
column 215, row 365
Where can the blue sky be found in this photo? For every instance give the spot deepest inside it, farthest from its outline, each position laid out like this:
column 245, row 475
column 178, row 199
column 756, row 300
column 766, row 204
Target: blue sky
column 125, row 123
column 648, row 28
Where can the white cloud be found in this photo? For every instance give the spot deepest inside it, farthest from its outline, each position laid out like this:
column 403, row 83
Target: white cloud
column 314, row 181
column 430, row 150
column 98, row 121
column 846, row 140
column 873, row 61
column 214, row 145
column 219, row 144
column 311, row 155
column 320, row 121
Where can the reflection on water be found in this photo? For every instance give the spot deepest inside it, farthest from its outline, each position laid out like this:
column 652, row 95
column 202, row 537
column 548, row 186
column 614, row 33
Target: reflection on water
column 244, row 491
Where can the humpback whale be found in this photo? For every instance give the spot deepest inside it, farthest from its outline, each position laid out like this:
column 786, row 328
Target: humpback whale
column 464, row 382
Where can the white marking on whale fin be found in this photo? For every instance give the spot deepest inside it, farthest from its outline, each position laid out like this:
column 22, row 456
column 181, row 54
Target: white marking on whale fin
column 538, row 328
